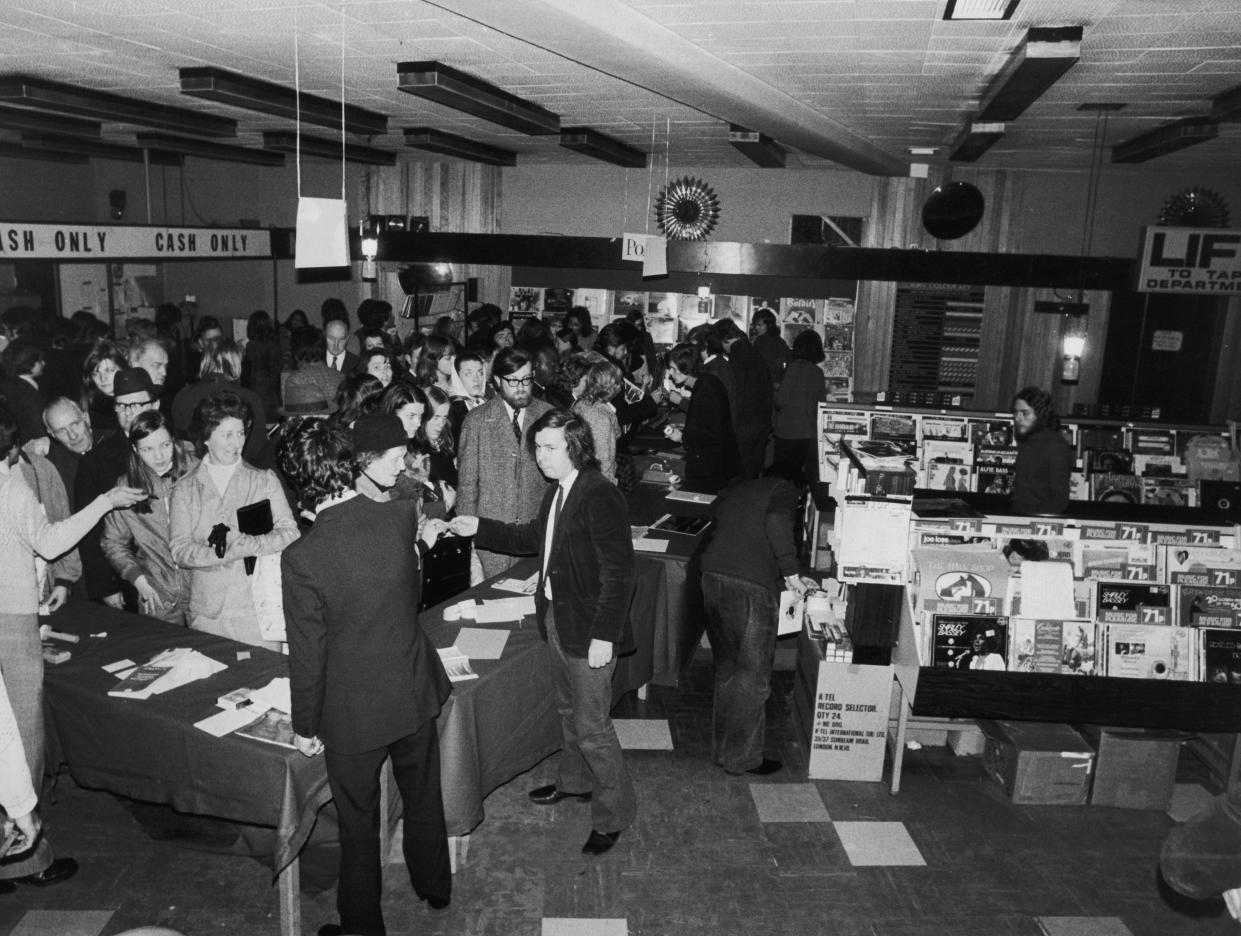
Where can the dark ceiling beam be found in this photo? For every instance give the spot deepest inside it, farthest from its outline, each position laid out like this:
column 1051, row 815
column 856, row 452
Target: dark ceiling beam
column 58, row 97
column 801, row 260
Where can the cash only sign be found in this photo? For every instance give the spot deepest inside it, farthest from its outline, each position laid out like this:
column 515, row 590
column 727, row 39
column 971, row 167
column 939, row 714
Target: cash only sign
column 105, row 242
column 1205, row 261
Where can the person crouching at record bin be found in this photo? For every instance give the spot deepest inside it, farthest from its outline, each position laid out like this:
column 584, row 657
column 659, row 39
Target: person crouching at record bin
column 582, row 537
column 1044, row 458
column 366, row 683
column 750, row 560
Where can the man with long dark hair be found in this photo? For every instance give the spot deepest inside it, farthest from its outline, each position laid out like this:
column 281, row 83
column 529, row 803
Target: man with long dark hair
column 1044, row 458
column 582, row 536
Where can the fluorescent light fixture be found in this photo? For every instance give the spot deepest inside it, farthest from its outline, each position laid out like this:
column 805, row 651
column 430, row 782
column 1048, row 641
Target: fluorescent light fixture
column 598, row 145
column 17, row 151
column 31, row 121
column 81, row 146
column 226, row 87
column 979, row 9
column 285, row 141
column 449, row 144
column 1227, row 106
column 1166, row 139
column 757, row 147
column 922, row 150
column 41, row 94
column 206, row 150
column 974, row 140
column 1045, row 55
column 452, row 88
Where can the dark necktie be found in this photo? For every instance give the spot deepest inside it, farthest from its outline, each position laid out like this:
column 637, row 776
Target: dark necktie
column 551, row 536
column 517, row 425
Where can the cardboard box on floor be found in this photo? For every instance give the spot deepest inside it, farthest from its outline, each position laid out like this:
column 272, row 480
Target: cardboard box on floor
column 1038, row 763
column 1134, row 768
column 849, row 730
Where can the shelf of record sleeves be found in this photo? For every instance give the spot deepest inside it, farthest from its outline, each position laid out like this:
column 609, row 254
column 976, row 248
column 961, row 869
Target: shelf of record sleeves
column 1120, row 612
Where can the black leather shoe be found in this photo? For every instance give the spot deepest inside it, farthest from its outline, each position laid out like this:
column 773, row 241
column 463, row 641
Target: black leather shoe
column 550, row 795
column 599, row 842
column 59, row 870
column 438, row 903
column 768, row 766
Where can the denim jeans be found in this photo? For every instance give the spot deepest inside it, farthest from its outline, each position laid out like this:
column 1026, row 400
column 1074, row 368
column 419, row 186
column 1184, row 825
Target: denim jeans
column 591, row 761
column 1202, row 858
column 742, row 618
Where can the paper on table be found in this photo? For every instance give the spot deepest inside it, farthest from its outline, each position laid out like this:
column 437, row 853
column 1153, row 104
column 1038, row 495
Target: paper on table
column 518, row 586
column 1047, row 590
column 643, row 544
column 480, row 643
column 274, row 695
column 499, row 610
column 691, row 497
column 222, row 723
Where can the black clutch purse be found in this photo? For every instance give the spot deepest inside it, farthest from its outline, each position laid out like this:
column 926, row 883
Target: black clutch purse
column 445, row 570
column 254, row 520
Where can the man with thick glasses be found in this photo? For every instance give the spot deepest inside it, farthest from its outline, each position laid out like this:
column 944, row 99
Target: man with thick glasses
column 499, row 478
column 133, row 393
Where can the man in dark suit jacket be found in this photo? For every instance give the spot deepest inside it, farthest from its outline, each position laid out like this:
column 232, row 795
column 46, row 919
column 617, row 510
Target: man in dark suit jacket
column 22, row 363
column 97, row 472
column 366, row 682
column 753, row 397
column 585, row 584
column 335, row 337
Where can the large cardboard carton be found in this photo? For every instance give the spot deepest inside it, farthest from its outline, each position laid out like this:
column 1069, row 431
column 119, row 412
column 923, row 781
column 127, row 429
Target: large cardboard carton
column 849, row 730
column 1038, row 763
column 1134, row 768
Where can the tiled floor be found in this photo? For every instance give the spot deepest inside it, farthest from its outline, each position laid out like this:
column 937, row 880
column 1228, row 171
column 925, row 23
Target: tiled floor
column 947, row 856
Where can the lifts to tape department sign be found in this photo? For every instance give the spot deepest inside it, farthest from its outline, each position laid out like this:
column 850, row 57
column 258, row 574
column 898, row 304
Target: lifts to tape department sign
column 99, row 242
column 1206, row 261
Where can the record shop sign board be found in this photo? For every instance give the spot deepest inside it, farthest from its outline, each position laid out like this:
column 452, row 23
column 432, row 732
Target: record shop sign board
column 1190, row 260
column 101, row 242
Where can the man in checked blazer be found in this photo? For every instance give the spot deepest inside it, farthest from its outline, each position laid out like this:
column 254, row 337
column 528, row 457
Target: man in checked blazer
column 498, row 476
column 581, row 534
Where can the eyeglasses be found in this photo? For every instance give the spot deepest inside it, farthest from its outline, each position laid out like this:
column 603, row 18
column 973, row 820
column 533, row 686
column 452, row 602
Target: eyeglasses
column 133, row 406
column 518, row 381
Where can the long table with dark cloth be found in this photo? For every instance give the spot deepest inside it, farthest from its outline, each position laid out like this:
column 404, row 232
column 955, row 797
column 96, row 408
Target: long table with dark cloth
column 149, row 749
column 677, row 630
column 492, row 728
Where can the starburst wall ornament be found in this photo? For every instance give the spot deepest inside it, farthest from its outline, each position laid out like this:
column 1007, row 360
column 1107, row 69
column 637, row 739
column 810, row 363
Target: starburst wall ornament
column 1196, row 207
column 687, row 209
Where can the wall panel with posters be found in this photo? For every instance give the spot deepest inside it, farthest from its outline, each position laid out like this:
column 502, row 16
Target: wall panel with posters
column 670, row 316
